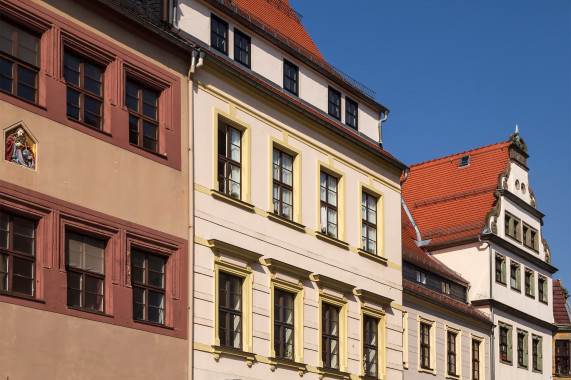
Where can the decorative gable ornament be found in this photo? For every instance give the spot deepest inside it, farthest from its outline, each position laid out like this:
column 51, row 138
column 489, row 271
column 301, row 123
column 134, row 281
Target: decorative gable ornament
column 20, row 145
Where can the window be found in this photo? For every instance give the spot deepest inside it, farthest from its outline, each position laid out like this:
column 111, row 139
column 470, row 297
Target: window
column 505, row 342
column 335, row 103
column 230, row 310
column 284, row 324
column 283, row 184
column 475, row 359
column 17, row 254
column 84, row 256
column 451, row 352
column 370, row 346
column 424, row 345
column 19, row 61
column 291, row 73
column 421, row 277
column 500, row 269
column 464, row 161
column 148, row 281
column 529, row 283
column 351, row 113
column 330, row 336
column 84, row 81
column 512, row 226
column 562, row 359
column 522, row 349
column 445, row 287
column 218, row 34
column 142, row 103
column 241, row 48
column 229, row 160
column 530, row 237
column 515, row 282
column 328, row 195
column 542, row 288
column 537, row 354
column 369, row 222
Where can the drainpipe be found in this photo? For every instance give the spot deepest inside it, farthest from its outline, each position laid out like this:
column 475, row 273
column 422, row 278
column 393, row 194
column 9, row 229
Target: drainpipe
column 193, row 66
column 173, row 6
column 492, row 336
column 419, row 240
column 381, row 121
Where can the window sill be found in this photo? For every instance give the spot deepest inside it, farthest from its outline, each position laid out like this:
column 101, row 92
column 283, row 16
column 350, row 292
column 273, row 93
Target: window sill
column 21, row 296
column 369, row 255
column 233, row 201
column 75, row 121
column 217, row 351
column 147, row 323
column 506, row 362
column 286, row 222
column 516, row 289
column 544, row 302
column 522, row 367
column 337, row 242
column 367, row 377
column 279, row 362
column 24, row 100
column 100, row 313
column 427, row 370
column 532, row 296
column 156, row 154
column 454, row 377
column 322, row 371
column 502, row 283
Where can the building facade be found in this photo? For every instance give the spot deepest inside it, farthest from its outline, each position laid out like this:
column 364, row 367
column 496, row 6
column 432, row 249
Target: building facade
column 94, row 214
column 294, row 271
column 562, row 334
column 478, row 215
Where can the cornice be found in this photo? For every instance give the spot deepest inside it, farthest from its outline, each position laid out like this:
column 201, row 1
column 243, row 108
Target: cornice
column 367, row 296
column 281, row 267
column 518, row 313
column 518, row 252
column 521, row 203
column 331, row 283
column 220, row 246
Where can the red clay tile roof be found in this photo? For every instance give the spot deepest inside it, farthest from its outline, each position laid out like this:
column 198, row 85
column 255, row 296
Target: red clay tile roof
column 415, row 255
column 444, row 300
column 279, row 15
column 448, row 202
column 560, row 314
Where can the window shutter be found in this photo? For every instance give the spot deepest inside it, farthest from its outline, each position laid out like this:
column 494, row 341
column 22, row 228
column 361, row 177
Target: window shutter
column 532, row 285
column 540, row 354
column 509, row 343
column 518, row 278
column 525, row 350
column 504, row 270
column 545, row 296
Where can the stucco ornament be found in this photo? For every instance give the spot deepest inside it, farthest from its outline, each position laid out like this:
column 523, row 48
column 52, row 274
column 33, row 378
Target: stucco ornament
column 19, row 149
column 532, row 201
column 547, row 251
column 493, row 215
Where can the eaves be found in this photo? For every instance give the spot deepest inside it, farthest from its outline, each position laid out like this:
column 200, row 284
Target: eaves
column 513, row 311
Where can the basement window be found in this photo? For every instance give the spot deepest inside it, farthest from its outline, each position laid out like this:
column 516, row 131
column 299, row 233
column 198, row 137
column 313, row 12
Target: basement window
column 464, row 161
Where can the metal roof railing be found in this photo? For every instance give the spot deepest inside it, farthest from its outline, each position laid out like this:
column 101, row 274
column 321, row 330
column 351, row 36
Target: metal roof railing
column 318, row 60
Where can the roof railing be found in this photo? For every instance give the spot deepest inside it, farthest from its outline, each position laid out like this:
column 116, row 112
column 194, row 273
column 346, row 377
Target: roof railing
column 254, row 20
column 288, row 10
column 439, row 232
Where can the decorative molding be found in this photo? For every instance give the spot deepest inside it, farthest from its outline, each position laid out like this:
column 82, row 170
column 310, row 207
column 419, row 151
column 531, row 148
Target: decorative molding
column 521, row 203
column 518, row 313
column 281, row 267
column 546, row 250
column 367, row 296
column 518, row 150
column 233, row 201
column 328, row 282
column 380, row 259
column 329, row 239
column 220, row 246
column 286, row 222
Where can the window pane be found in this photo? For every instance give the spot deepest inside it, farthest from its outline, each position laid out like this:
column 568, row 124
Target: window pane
column 5, row 75
column 72, row 103
column 93, row 301
column 156, row 315
column 94, row 285
column 156, row 299
column 132, row 90
column 149, row 96
column 138, row 311
column 92, row 85
column 138, row 295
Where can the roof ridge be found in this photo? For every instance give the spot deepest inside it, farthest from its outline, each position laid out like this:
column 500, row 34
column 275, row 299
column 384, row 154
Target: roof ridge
column 434, row 160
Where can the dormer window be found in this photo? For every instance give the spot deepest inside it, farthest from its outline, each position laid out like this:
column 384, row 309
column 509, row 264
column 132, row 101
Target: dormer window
column 421, row 277
column 464, row 161
column 291, row 72
column 241, row 48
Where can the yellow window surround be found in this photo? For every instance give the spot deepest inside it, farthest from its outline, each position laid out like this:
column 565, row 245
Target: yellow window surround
column 297, row 183
column 432, row 332
column 405, row 339
column 245, row 145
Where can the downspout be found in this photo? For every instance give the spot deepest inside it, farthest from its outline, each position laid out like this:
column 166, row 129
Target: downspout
column 193, row 66
column 419, row 240
column 382, row 119
column 173, row 14
column 492, row 336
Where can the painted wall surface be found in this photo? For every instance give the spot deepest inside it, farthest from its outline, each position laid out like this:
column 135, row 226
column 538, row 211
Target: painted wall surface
column 513, row 370
column 96, row 182
column 267, row 62
column 59, row 347
column 467, row 329
column 249, row 227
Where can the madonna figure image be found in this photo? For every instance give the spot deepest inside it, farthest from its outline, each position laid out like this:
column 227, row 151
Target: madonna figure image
column 18, row 149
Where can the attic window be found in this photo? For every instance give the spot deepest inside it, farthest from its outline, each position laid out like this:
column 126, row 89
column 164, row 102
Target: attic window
column 464, row 161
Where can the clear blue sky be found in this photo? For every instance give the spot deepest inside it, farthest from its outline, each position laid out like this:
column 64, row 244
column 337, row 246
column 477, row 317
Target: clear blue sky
column 460, row 74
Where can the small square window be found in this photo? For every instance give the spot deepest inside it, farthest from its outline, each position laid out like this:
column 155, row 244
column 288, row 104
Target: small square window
column 446, row 287
column 334, row 103
column 219, row 34
column 351, row 113
column 242, row 45
column 421, row 277
column 464, row 161
column 291, row 73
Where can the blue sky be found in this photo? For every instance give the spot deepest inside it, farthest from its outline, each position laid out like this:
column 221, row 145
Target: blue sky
column 460, row 74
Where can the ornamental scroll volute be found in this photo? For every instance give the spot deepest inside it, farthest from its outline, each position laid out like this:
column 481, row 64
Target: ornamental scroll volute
column 20, row 146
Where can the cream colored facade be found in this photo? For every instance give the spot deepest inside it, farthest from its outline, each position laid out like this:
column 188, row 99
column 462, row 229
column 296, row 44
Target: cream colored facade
column 241, row 236
column 94, row 182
